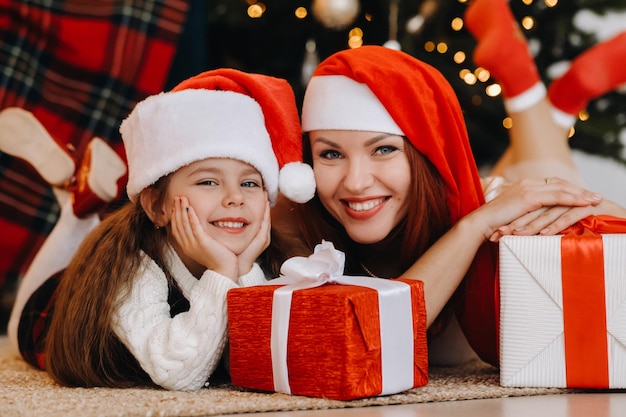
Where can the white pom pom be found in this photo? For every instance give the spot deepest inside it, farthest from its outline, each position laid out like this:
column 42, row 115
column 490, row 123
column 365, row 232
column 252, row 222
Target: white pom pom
column 297, row 182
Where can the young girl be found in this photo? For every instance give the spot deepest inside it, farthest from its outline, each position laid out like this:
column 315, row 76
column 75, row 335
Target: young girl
column 143, row 300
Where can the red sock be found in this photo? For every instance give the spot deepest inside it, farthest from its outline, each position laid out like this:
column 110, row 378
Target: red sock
column 593, row 73
column 502, row 48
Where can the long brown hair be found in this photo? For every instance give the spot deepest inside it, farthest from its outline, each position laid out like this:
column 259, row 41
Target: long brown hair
column 426, row 221
column 81, row 348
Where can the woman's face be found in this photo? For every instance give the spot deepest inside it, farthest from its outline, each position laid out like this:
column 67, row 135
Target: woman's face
column 363, row 180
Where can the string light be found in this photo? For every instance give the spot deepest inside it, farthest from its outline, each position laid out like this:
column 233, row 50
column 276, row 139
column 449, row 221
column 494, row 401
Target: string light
column 583, row 115
column 482, row 74
column 355, row 38
column 493, row 90
column 528, row 23
column 301, row 12
column 457, row 24
column 469, row 78
column 459, row 57
column 571, row 133
column 256, row 10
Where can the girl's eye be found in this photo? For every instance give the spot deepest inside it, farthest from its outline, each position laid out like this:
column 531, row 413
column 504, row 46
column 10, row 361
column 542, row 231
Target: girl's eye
column 330, row 154
column 207, row 182
column 250, row 184
column 385, row 150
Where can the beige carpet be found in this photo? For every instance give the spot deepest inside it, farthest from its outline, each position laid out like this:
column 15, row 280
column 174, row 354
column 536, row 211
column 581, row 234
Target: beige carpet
column 28, row 392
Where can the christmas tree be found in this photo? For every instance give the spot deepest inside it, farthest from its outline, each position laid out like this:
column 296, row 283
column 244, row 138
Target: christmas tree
column 286, row 39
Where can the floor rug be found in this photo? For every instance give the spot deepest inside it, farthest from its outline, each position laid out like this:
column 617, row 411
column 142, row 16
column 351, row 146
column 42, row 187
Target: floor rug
column 25, row 391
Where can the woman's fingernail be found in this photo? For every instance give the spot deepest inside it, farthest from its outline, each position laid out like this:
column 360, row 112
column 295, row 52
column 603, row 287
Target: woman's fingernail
column 187, row 209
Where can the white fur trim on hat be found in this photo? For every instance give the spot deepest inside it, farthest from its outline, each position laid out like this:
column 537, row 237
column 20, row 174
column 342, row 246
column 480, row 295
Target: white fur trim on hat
column 170, row 130
column 337, row 102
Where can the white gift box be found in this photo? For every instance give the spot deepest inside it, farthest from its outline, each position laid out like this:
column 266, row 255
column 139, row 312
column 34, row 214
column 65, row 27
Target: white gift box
column 533, row 324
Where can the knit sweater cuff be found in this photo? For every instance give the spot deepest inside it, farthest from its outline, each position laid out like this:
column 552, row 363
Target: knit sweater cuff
column 254, row 277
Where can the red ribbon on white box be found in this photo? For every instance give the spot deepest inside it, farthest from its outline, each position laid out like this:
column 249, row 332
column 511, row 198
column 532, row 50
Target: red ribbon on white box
column 395, row 311
column 584, row 306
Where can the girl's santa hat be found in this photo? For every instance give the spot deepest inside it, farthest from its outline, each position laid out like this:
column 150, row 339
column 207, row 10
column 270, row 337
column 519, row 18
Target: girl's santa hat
column 222, row 113
column 378, row 89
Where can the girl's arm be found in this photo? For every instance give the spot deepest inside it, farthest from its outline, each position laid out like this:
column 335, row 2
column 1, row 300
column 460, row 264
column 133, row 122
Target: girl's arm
column 180, row 352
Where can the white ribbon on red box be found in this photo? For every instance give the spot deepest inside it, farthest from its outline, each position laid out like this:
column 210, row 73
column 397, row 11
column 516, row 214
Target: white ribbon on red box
column 325, row 266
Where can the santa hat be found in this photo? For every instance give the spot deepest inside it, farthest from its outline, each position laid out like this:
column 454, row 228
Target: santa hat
column 373, row 88
column 222, row 113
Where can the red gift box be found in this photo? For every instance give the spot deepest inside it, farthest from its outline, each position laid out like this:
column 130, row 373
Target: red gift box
column 331, row 345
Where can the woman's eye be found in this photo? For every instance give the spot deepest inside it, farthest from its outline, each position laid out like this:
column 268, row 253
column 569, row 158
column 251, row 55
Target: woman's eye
column 330, row 154
column 385, row 150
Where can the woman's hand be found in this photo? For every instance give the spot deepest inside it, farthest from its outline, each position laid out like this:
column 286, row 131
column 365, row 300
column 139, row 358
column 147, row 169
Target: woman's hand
column 537, row 205
column 197, row 244
column 261, row 241
column 552, row 220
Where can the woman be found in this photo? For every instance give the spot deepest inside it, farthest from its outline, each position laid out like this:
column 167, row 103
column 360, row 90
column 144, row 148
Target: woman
column 399, row 192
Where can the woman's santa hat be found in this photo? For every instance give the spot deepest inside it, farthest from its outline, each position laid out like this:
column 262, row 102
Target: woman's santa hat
column 378, row 89
column 222, row 113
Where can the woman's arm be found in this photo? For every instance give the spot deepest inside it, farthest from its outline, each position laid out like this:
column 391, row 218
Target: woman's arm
column 445, row 264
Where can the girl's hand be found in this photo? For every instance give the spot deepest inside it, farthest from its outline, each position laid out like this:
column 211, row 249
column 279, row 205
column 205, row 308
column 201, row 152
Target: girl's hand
column 549, row 203
column 197, row 244
column 261, row 241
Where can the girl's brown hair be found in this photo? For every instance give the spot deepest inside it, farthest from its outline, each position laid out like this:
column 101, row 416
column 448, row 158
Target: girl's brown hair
column 81, row 348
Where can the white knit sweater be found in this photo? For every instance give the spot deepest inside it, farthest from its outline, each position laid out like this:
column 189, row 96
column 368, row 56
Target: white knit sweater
column 180, row 352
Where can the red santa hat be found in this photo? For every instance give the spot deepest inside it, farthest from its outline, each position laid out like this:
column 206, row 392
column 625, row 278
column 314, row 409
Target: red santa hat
column 373, row 88
column 222, row 113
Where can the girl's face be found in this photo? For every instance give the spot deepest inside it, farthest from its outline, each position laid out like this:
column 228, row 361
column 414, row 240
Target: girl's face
column 227, row 196
column 362, row 179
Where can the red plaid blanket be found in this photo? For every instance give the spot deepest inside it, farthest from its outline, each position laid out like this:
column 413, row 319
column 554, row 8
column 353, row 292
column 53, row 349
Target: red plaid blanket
column 79, row 67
